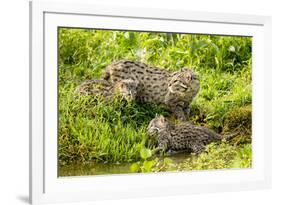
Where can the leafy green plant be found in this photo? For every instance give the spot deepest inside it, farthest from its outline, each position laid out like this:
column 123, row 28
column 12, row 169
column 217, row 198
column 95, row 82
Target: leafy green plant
column 152, row 165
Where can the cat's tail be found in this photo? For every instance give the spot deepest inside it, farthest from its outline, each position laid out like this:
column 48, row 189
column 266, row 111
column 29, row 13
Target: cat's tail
column 229, row 137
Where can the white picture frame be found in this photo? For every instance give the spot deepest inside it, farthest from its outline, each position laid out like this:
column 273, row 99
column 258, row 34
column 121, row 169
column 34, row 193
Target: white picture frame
column 46, row 187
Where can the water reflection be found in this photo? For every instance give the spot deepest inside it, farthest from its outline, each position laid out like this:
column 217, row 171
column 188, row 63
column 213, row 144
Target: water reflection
column 107, row 168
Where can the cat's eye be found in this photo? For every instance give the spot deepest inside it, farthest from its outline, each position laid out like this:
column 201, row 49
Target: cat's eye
column 183, row 86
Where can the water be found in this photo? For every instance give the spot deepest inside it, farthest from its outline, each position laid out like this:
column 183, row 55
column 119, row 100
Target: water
column 108, row 168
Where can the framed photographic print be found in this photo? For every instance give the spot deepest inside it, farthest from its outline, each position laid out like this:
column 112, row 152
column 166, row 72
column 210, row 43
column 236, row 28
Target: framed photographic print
column 130, row 102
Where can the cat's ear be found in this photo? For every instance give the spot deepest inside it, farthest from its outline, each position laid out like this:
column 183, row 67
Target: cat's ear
column 184, row 69
column 162, row 118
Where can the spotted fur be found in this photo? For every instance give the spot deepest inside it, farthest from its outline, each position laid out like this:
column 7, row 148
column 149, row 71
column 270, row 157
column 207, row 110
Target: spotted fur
column 182, row 137
column 126, row 89
column 155, row 85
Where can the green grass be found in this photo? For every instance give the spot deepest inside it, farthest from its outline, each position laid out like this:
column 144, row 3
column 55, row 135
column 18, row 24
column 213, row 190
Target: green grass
column 115, row 132
column 220, row 156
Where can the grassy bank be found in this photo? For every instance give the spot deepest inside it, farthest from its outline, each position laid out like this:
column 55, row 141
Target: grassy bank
column 115, row 132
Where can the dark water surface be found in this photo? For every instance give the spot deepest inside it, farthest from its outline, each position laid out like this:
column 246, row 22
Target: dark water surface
column 108, row 168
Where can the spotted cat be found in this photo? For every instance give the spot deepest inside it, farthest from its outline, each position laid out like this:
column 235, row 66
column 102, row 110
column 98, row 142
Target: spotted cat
column 182, row 137
column 126, row 89
column 176, row 90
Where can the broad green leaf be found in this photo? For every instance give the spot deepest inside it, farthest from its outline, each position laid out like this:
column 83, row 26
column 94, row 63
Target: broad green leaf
column 145, row 153
column 147, row 165
column 135, row 167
